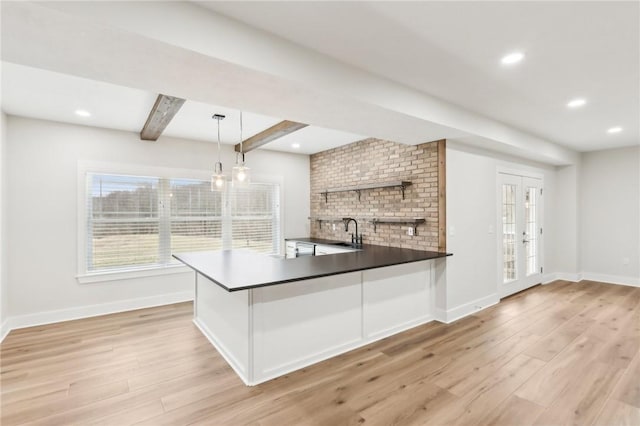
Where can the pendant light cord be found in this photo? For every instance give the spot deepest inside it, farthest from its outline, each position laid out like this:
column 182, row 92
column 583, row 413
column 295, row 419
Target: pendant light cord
column 218, row 166
column 218, row 141
column 241, row 146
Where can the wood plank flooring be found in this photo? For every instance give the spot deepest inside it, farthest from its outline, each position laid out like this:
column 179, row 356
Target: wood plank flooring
column 560, row 354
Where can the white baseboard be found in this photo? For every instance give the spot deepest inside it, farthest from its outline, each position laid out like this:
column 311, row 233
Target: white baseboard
column 252, row 378
column 289, row 367
column 462, row 311
column 4, row 329
column 440, row 315
column 298, row 364
column 591, row 276
column 236, row 365
column 549, row 278
column 398, row 328
column 49, row 317
column 611, row 279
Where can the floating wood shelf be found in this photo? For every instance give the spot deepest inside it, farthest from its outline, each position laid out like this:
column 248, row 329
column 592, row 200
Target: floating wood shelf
column 325, row 218
column 330, row 219
column 375, row 221
column 413, row 222
column 402, row 184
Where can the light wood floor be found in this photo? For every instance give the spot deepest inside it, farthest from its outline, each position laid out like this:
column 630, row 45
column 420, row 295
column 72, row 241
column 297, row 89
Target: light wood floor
column 563, row 353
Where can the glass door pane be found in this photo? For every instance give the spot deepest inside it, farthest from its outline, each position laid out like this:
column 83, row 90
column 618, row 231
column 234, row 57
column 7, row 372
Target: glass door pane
column 509, row 252
column 530, row 237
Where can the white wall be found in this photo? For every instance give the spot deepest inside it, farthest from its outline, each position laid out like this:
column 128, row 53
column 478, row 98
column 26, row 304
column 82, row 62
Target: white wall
column 564, row 254
column 472, row 272
column 41, row 209
column 4, row 300
column 591, row 221
column 610, row 215
column 471, row 210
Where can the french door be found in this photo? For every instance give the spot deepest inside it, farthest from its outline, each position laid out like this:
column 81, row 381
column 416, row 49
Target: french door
column 519, row 233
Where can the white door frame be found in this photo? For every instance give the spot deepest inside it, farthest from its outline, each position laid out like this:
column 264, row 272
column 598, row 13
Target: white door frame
column 522, row 282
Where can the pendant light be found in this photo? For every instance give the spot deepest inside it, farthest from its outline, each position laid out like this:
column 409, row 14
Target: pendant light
column 218, row 179
column 240, row 174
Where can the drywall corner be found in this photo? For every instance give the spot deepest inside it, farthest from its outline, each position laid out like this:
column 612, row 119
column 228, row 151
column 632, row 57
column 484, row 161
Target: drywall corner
column 4, row 302
column 565, row 238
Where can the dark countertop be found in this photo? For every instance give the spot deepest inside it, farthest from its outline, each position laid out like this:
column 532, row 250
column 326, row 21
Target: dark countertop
column 236, row 270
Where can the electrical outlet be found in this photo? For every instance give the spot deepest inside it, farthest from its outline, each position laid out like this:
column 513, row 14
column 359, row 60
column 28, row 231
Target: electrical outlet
column 334, row 226
column 410, row 231
column 625, row 260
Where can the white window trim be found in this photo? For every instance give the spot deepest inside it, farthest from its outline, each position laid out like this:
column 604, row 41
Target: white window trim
column 85, row 167
column 128, row 274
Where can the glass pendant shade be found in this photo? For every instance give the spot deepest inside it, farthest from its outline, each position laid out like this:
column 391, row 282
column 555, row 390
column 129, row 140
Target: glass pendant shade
column 241, row 174
column 241, row 177
column 218, row 179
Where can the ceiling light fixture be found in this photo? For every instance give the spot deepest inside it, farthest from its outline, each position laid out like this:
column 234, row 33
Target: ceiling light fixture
column 240, row 175
column 82, row 113
column 512, row 58
column 295, row 145
column 218, row 179
column 575, row 103
column 616, row 129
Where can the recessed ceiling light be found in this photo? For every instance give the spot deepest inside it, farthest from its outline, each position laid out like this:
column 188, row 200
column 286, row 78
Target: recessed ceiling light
column 575, row 103
column 615, row 130
column 295, row 145
column 83, row 113
column 512, row 58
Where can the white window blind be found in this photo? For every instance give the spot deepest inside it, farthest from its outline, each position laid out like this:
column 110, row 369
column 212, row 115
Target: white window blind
column 255, row 218
column 196, row 216
column 137, row 222
column 123, row 221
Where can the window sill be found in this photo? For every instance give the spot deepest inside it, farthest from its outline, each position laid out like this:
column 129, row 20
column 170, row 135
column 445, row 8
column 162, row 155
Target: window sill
column 132, row 274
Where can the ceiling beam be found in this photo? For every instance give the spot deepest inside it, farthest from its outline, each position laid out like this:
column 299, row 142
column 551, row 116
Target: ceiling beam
column 272, row 133
column 160, row 116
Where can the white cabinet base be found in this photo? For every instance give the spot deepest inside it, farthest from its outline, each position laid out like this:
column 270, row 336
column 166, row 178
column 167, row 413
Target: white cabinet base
column 266, row 332
column 394, row 299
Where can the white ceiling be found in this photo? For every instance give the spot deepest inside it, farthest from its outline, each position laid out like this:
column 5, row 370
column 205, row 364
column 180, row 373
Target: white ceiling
column 47, row 95
column 452, row 50
column 361, row 68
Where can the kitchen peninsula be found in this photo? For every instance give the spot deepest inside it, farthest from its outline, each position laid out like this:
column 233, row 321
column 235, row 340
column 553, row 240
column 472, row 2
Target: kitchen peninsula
column 268, row 316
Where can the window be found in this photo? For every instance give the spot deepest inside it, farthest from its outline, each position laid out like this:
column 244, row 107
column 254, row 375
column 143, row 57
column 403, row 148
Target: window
column 139, row 221
column 509, row 251
column 252, row 221
column 196, row 216
column 531, row 226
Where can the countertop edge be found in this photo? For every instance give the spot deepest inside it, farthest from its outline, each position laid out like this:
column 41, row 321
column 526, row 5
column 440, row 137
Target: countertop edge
column 175, row 256
column 328, row 274
column 438, row 255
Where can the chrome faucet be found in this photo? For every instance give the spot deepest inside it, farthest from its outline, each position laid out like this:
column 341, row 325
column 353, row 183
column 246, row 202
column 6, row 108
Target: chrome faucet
column 355, row 239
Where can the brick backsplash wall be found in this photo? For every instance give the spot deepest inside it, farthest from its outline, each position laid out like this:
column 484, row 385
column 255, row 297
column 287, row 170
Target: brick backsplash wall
column 372, row 161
